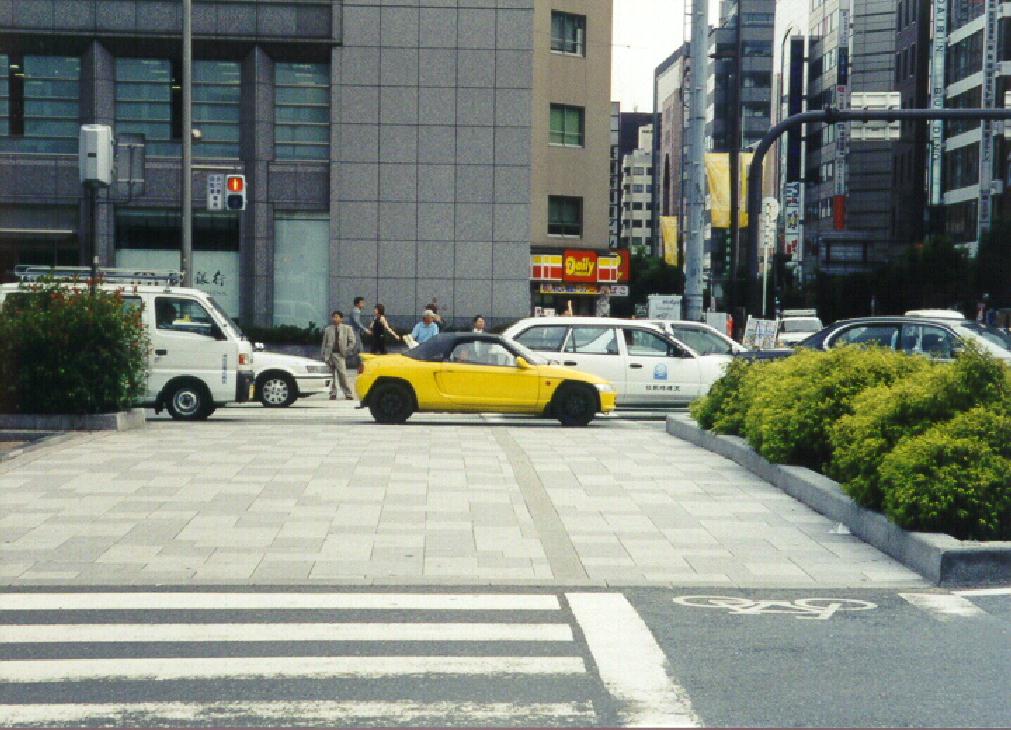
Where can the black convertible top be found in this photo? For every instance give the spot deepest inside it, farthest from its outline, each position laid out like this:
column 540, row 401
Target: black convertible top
column 438, row 348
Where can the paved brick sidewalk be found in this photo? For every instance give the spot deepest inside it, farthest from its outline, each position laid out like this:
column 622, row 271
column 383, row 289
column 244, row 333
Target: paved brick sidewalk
column 319, row 494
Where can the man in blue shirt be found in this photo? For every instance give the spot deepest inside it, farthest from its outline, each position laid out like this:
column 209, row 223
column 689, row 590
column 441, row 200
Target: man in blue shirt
column 426, row 329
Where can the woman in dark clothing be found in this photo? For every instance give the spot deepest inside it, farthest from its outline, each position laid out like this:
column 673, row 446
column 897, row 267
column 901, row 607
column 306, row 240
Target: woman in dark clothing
column 379, row 329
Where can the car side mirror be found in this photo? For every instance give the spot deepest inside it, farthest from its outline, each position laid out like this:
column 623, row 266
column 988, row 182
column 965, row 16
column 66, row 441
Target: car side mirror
column 258, row 346
column 522, row 364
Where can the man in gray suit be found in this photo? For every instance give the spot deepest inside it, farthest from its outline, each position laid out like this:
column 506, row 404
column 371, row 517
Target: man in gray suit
column 338, row 343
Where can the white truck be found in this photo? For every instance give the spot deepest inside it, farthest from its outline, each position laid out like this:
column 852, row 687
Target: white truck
column 199, row 358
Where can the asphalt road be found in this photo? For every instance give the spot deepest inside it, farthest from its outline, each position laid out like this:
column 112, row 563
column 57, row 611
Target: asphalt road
column 525, row 657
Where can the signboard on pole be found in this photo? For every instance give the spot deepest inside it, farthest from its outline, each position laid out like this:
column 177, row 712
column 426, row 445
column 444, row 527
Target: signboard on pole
column 791, row 220
column 991, row 12
column 760, row 334
column 216, row 191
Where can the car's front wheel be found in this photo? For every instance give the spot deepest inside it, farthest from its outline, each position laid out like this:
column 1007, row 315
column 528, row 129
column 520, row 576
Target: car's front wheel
column 277, row 390
column 189, row 401
column 574, row 404
column 391, row 403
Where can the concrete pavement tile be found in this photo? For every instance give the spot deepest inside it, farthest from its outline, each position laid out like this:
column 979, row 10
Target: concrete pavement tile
column 601, row 550
column 128, row 554
column 35, row 574
column 287, row 570
column 634, row 524
column 689, row 536
column 607, row 562
column 13, row 570
column 778, row 569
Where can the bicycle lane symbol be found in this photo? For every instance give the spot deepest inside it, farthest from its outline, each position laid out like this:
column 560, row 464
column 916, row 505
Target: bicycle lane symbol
column 817, row 609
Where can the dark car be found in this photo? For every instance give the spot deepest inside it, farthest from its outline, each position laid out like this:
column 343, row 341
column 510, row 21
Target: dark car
column 940, row 339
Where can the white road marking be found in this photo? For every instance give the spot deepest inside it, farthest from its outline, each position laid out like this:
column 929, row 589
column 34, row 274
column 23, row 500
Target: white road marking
column 984, row 592
column 278, row 601
column 944, row 605
column 154, row 668
column 306, row 713
column 630, row 664
column 285, row 632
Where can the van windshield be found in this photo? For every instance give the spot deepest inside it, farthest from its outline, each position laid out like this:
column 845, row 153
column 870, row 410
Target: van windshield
column 217, row 308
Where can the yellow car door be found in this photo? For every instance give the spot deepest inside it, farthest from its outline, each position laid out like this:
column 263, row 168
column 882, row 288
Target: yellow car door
column 481, row 375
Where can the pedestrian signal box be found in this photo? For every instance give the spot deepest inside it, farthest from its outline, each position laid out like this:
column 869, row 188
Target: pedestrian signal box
column 235, row 192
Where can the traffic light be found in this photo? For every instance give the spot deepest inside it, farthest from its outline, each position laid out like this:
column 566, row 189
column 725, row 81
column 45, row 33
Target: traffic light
column 235, row 192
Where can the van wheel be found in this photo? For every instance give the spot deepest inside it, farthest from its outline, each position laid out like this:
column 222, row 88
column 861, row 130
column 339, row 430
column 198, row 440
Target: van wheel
column 391, row 403
column 574, row 405
column 188, row 401
column 277, row 390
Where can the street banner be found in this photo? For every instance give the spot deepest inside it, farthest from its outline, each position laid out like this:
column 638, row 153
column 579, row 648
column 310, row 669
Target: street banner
column 718, row 176
column 791, row 221
column 669, row 235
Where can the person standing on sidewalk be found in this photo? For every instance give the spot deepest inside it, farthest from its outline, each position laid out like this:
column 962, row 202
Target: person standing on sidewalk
column 356, row 320
column 379, row 329
column 338, row 343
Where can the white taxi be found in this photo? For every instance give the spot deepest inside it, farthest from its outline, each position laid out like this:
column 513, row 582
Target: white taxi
column 646, row 366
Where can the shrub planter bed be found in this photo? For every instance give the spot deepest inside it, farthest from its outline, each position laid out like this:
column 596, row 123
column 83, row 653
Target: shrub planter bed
column 119, row 421
column 940, row 558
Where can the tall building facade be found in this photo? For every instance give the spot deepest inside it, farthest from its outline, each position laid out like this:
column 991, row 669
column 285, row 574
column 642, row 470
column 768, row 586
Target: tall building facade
column 395, row 151
column 637, row 196
column 848, row 198
column 671, row 85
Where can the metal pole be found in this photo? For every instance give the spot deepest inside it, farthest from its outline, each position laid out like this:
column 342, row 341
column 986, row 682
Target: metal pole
column 831, row 116
column 735, row 109
column 694, row 235
column 186, row 253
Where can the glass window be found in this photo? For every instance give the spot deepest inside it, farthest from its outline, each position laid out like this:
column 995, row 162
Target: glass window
column 301, row 269
column 702, row 341
column 885, row 335
column 568, row 33
column 566, row 125
column 543, row 338
column 39, row 103
column 593, row 341
column 216, row 89
column 182, row 315
column 482, row 353
column 302, row 111
column 641, row 343
column 925, row 340
column 565, row 216
column 146, row 92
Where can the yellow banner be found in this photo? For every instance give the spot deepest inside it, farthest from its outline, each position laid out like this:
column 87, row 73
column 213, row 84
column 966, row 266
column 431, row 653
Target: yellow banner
column 718, row 175
column 669, row 235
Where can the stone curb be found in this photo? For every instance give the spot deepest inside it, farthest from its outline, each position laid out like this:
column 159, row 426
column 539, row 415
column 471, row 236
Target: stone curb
column 939, row 558
column 120, row 421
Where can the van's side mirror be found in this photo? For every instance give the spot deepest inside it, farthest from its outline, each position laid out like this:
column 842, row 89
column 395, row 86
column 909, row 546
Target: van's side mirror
column 522, row 364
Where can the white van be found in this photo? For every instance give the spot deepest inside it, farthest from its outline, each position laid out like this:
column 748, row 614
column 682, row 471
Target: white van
column 646, row 366
column 199, row 358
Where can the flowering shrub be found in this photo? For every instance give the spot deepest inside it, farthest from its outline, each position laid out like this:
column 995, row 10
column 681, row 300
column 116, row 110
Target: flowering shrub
column 70, row 350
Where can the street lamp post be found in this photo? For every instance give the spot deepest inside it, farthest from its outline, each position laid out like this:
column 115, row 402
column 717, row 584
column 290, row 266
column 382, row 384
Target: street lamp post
column 186, row 251
column 829, row 115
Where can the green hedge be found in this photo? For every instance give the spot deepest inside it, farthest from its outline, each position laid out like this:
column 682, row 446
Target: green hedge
column 70, row 351
column 919, row 440
column 884, row 415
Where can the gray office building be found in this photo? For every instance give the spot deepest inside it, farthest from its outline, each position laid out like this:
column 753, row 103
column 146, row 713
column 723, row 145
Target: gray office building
column 386, row 145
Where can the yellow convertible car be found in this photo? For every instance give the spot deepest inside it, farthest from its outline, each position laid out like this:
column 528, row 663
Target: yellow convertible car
column 470, row 372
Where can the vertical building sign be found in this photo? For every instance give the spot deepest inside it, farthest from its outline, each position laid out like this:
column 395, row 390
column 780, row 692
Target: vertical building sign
column 842, row 100
column 991, row 12
column 791, row 221
column 938, row 51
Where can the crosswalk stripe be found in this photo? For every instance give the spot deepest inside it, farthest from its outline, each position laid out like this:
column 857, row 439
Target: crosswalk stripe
column 284, row 632
column 630, row 663
column 368, row 667
column 984, row 592
column 278, row 601
column 304, row 713
column 945, row 605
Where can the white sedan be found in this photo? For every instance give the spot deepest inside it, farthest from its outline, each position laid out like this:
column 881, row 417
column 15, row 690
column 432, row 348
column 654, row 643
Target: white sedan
column 646, row 366
column 282, row 379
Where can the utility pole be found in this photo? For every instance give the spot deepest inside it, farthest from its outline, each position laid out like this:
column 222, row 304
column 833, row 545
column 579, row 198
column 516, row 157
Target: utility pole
column 186, row 252
column 695, row 234
column 736, row 124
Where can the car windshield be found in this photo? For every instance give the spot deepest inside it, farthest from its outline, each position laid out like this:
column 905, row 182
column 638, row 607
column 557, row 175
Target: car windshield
column 993, row 336
column 217, row 308
column 431, row 350
column 802, row 324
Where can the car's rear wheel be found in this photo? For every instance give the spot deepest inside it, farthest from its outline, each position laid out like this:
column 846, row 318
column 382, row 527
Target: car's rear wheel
column 574, row 404
column 391, row 403
column 277, row 390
